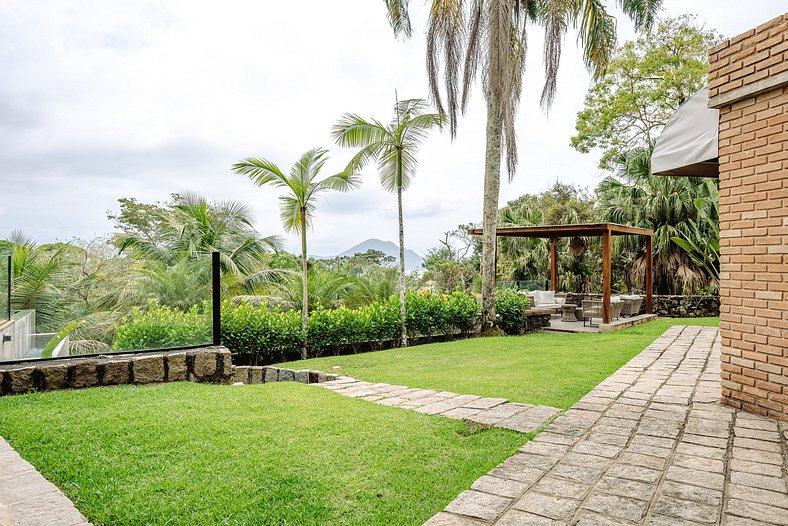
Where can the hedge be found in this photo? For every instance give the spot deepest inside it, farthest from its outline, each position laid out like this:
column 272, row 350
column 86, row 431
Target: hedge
column 266, row 335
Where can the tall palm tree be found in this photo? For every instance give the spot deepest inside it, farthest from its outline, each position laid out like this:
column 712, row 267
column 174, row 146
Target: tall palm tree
column 297, row 207
column 393, row 147
column 489, row 38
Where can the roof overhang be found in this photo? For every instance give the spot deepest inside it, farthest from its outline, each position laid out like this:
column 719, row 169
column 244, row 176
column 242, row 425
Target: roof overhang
column 689, row 143
column 576, row 230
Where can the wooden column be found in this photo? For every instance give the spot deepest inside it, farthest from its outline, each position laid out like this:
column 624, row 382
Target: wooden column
column 554, row 264
column 607, row 276
column 649, row 281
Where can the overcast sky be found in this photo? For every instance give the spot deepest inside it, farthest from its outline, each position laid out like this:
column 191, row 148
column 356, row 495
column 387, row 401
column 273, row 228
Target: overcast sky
column 107, row 99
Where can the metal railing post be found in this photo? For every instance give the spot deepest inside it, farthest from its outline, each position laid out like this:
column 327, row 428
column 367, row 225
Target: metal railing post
column 216, row 299
column 8, row 305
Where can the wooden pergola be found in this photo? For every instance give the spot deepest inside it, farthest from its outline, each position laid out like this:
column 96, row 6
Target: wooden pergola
column 604, row 230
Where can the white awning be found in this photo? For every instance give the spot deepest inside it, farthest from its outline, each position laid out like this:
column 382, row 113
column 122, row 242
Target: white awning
column 688, row 145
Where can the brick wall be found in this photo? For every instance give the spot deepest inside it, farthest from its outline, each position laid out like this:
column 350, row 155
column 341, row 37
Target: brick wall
column 748, row 83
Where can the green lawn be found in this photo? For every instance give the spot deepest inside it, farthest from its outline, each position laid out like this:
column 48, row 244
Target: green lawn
column 284, row 454
column 541, row 368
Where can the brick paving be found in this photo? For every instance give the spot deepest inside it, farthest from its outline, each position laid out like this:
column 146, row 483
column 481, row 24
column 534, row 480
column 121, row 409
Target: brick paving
column 494, row 412
column 649, row 445
column 28, row 499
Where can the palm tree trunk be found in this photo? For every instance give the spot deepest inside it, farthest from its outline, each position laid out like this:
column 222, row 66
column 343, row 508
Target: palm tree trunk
column 305, row 286
column 492, row 185
column 402, row 309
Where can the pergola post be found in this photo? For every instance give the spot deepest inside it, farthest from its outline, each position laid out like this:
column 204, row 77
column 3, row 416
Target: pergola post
column 607, row 276
column 649, row 281
column 554, row 264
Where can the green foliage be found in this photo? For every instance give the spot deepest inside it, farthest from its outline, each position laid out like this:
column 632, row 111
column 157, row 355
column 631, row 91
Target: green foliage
column 665, row 205
column 525, row 259
column 645, row 82
column 159, row 326
column 510, row 307
column 265, row 335
column 461, row 312
column 279, row 454
column 61, row 335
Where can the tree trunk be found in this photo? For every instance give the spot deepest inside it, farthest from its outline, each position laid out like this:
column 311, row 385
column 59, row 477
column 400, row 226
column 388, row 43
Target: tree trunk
column 402, row 309
column 304, row 285
column 492, row 185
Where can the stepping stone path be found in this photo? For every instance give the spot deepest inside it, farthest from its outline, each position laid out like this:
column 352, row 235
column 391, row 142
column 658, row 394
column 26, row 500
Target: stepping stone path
column 28, row 499
column 650, row 445
column 492, row 412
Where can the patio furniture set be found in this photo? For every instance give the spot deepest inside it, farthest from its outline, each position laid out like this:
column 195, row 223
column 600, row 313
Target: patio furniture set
column 625, row 305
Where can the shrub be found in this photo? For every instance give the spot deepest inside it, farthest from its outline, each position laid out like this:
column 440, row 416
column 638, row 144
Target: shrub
column 510, row 307
column 159, row 326
column 266, row 335
column 461, row 311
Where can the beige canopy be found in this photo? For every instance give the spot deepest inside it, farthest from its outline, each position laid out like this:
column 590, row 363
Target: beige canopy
column 688, row 145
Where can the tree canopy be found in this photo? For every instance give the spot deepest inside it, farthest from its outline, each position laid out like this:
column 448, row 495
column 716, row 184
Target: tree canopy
column 646, row 81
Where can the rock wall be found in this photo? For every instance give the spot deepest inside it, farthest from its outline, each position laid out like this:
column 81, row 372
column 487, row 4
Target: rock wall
column 693, row 306
column 266, row 374
column 207, row 364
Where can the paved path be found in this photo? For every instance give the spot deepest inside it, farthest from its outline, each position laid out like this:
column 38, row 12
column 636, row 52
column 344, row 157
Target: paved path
column 649, row 445
column 495, row 412
column 28, row 499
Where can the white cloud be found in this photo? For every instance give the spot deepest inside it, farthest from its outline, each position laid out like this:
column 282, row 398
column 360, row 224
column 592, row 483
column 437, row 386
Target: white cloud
column 101, row 100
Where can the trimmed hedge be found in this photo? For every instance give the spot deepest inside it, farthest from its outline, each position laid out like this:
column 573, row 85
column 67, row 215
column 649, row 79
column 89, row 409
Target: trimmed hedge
column 265, row 335
column 269, row 335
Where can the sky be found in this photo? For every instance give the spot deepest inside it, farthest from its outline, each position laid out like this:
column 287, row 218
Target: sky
column 104, row 99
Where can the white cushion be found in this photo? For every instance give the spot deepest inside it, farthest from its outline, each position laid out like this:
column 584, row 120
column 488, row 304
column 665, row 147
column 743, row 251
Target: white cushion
column 546, row 296
column 615, row 299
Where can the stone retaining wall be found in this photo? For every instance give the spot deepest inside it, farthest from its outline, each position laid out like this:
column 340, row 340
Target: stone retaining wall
column 266, row 374
column 676, row 306
column 207, row 364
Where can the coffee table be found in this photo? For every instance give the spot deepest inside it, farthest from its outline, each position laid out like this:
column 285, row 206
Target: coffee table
column 568, row 312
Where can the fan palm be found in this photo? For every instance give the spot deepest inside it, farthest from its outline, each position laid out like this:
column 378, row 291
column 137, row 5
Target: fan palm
column 393, row 147
column 489, row 37
column 667, row 206
column 298, row 206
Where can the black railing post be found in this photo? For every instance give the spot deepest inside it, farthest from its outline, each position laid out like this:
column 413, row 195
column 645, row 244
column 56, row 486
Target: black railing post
column 216, row 299
column 8, row 305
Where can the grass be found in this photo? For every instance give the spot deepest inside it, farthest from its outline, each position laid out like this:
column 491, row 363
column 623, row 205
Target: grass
column 285, row 454
column 554, row 369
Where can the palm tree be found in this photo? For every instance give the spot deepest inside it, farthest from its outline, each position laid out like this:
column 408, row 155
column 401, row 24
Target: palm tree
column 297, row 207
column 191, row 228
column 394, row 148
column 667, row 205
column 489, row 38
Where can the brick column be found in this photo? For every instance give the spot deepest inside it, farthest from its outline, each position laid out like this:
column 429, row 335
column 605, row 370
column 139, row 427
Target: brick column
column 748, row 83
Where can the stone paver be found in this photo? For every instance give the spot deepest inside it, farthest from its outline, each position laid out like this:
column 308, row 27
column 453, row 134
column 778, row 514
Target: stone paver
column 28, row 499
column 650, row 445
column 494, row 412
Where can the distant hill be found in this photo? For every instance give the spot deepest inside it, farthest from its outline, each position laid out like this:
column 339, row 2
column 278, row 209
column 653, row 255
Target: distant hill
column 413, row 261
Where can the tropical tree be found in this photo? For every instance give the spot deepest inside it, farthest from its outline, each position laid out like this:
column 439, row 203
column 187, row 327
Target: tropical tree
column 645, row 83
column 489, row 38
column 666, row 205
column 39, row 279
column 393, row 147
column 298, row 205
column 190, row 227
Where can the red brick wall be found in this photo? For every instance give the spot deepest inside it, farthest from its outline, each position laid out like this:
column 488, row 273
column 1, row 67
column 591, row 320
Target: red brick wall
column 754, row 216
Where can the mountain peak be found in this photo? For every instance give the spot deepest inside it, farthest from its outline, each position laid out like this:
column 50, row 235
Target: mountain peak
column 413, row 261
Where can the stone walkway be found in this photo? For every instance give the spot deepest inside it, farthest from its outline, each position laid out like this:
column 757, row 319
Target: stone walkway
column 28, row 499
column 649, row 445
column 495, row 412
